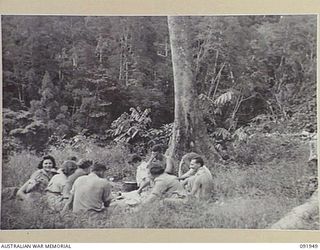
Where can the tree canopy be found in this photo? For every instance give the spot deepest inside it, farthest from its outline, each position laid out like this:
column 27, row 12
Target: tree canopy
column 78, row 74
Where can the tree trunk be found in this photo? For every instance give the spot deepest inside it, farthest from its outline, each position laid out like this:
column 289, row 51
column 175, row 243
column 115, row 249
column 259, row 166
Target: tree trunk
column 299, row 217
column 120, row 66
column 189, row 132
column 127, row 74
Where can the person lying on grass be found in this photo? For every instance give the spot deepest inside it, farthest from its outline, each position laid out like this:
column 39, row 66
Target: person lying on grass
column 57, row 184
column 32, row 190
column 166, row 186
column 90, row 193
column 198, row 181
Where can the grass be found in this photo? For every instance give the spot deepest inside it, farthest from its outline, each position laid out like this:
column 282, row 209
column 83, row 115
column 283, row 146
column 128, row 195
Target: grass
column 247, row 196
column 241, row 212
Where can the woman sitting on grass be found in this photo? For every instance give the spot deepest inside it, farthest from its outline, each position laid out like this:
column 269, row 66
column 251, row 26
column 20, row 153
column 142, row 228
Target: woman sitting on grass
column 33, row 189
column 57, row 184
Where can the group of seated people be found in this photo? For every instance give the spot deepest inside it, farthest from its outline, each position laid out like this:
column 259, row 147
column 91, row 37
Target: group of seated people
column 82, row 186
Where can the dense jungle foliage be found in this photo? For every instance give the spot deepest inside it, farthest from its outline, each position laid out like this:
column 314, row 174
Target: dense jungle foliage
column 111, row 77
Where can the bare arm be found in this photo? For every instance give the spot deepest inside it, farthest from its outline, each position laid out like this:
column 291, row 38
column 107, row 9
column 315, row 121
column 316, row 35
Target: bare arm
column 180, row 168
column 21, row 193
column 187, row 174
column 169, row 166
column 153, row 155
column 184, row 182
column 143, row 184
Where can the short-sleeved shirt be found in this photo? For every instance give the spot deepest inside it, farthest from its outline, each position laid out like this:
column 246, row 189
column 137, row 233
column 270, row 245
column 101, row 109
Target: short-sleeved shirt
column 71, row 179
column 38, row 181
column 57, row 183
column 202, row 181
column 168, row 186
column 35, row 189
column 90, row 192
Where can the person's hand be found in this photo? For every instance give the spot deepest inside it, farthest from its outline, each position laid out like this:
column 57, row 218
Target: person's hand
column 66, row 208
column 139, row 191
column 153, row 155
column 21, row 196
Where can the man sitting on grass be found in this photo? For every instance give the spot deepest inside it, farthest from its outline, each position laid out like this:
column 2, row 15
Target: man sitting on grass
column 198, row 180
column 166, row 186
column 90, row 192
column 157, row 156
column 185, row 164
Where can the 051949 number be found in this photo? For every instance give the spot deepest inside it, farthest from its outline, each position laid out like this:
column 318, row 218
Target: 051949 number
column 314, row 246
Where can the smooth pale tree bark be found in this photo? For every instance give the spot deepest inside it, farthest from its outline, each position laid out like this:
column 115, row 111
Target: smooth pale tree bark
column 189, row 131
column 299, row 217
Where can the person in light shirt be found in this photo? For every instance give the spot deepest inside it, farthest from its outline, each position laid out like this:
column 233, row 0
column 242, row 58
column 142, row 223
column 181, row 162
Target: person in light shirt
column 57, row 184
column 31, row 191
column 166, row 186
column 90, row 193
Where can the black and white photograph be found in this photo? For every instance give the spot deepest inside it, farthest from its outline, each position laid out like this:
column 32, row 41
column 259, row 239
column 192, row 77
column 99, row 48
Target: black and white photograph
column 206, row 122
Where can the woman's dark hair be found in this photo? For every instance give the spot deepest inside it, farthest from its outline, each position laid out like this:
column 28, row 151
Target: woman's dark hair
column 199, row 160
column 47, row 157
column 156, row 169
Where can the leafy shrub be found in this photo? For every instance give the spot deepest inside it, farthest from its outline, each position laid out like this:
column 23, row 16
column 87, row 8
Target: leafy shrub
column 134, row 130
column 158, row 135
column 128, row 126
column 22, row 130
